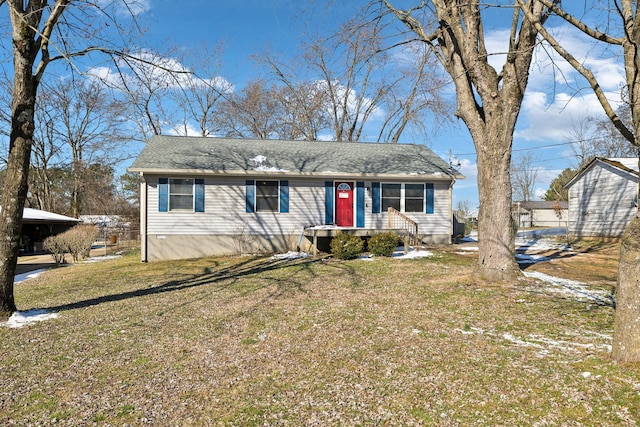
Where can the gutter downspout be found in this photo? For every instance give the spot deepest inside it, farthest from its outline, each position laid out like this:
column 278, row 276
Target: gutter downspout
column 143, row 218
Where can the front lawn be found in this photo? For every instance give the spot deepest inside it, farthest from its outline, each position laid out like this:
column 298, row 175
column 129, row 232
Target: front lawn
column 260, row 341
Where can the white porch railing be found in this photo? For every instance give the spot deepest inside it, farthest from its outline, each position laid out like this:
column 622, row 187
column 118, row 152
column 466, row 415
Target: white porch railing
column 399, row 221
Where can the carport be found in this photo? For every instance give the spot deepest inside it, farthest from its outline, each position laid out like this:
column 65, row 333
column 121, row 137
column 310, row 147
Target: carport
column 37, row 225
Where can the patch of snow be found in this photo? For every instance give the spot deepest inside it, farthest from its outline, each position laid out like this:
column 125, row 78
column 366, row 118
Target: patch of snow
column 269, row 169
column 531, row 259
column 290, row 256
column 23, row 318
column 541, row 232
column 540, row 245
column 259, row 159
column 399, row 254
column 28, row 275
column 321, row 227
column 540, row 343
column 468, row 248
column 413, row 253
column 571, row 288
column 101, row 258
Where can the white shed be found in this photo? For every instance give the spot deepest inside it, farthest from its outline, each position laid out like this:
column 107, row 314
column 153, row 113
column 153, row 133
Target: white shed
column 603, row 197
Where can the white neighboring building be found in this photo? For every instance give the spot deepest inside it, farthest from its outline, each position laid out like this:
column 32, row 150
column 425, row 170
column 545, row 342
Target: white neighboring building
column 603, row 197
column 540, row 213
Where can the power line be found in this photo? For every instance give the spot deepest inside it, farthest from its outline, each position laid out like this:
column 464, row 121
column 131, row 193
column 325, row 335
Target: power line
column 539, row 146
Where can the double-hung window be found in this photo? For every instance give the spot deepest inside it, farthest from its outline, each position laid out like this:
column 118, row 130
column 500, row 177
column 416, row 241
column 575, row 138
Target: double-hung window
column 391, row 196
column 403, row 197
column 180, row 194
column 414, row 197
column 267, row 196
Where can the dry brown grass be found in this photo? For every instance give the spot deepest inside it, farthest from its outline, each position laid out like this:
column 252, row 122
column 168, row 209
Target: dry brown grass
column 243, row 341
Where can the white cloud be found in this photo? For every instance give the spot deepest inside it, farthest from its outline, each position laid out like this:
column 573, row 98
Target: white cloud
column 184, row 130
column 155, row 72
column 542, row 119
column 469, row 169
column 556, row 93
column 125, row 7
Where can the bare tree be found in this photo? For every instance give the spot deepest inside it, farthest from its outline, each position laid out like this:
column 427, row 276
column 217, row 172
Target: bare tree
column 464, row 206
column 347, row 81
column 626, row 338
column 145, row 79
column 581, row 136
column 198, row 94
column 523, row 178
column 592, row 136
column 608, row 140
column 90, row 123
column 304, row 103
column 253, row 112
column 46, row 151
column 488, row 102
column 41, row 33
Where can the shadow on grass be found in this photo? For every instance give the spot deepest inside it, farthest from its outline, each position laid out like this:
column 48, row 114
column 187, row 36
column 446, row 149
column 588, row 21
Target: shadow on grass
column 551, row 254
column 228, row 275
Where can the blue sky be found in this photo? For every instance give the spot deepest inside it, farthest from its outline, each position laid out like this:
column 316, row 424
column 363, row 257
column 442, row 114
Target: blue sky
column 556, row 98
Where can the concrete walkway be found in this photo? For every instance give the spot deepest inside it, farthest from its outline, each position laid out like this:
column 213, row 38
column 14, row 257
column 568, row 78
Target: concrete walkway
column 28, row 263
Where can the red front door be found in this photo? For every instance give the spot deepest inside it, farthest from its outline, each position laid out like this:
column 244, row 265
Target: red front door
column 344, row 204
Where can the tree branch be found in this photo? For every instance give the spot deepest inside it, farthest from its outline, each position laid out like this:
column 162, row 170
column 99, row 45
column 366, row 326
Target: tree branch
column 598, row 35
column 584, row 71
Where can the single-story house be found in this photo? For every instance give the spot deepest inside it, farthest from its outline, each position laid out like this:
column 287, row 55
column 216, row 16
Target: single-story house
column 540, row 213
column 217, row 196
column 37, row 225
column 603, row 197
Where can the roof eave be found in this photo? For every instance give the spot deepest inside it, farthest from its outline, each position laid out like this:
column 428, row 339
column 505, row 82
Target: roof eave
column 589, row 165
column 266, row 174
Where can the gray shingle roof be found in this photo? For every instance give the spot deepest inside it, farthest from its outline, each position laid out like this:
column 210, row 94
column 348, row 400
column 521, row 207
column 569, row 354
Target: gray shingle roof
column 226, row 155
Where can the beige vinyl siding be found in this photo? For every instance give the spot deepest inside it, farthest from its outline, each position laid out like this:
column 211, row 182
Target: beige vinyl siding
column 602, row 202
column 548, row 218
column 224, row 211
column 225, row 214
column 225, row 228
column 438, row 223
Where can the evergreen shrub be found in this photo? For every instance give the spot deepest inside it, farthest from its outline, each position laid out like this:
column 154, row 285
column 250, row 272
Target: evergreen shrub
column 346, row 246
column 383, row 244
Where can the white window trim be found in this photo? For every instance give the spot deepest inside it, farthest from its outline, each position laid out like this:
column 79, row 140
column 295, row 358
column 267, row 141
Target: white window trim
column 255, row 196
column 403, row 195
column 169, row 194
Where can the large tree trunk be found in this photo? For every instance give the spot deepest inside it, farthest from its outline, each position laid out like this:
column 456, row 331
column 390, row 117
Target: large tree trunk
column 496, row 236
column 15, row 187
column 493, row 139
column 626, row 331
column 488, row 102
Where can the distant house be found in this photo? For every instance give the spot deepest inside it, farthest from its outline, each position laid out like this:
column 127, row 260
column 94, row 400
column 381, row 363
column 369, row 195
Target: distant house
column 603, row 197
column 540, row 214
column 218, row 196
column 112, row 226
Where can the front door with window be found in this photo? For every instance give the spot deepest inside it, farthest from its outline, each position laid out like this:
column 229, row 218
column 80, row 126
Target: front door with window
column 344, row 204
